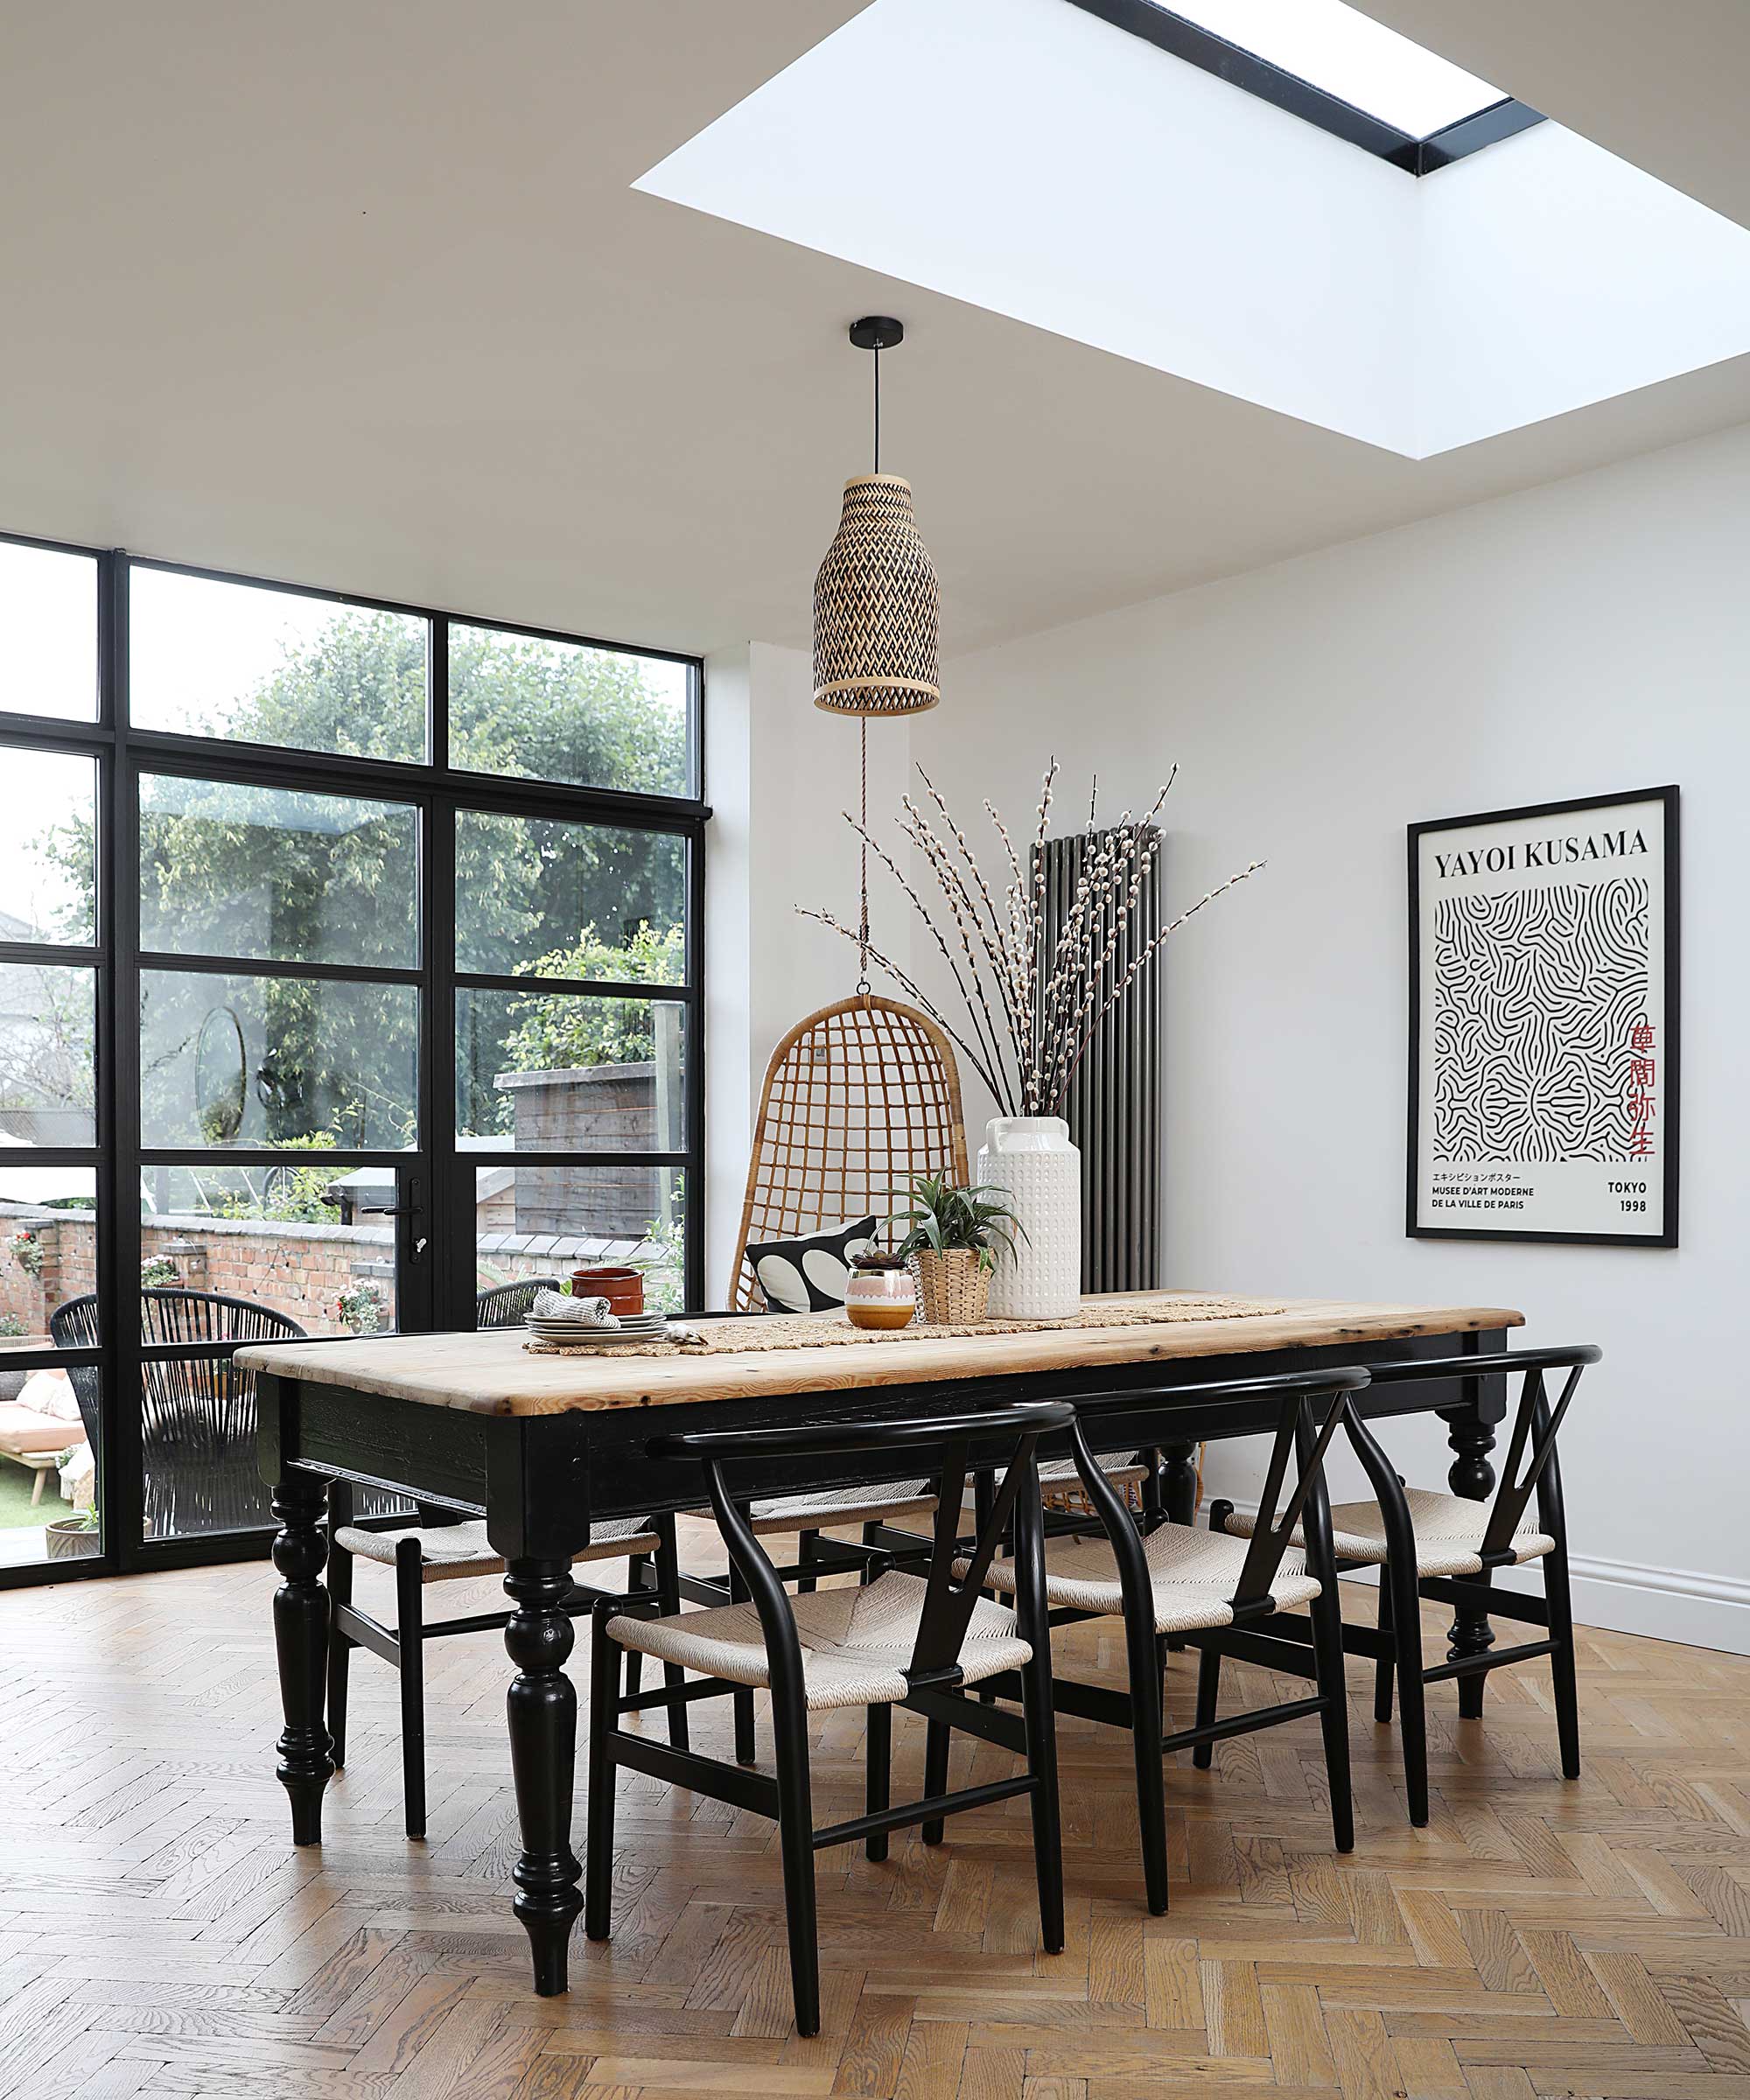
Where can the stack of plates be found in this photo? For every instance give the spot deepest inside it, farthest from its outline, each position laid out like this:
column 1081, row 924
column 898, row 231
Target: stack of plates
column 634, row 1328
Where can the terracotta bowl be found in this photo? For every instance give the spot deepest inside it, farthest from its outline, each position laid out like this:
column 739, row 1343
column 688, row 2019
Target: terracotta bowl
column 622, row 1288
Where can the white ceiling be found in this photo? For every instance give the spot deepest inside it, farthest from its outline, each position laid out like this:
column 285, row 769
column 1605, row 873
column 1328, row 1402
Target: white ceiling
column 362, row 296
column 1049, row 165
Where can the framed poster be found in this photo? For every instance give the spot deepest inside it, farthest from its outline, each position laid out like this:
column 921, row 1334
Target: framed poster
column 1543, row 1020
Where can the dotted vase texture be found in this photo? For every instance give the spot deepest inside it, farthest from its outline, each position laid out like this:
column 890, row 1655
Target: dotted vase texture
column 1032, row 1158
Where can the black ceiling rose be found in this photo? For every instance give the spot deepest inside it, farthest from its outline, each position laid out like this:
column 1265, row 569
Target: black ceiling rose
column 877, row 332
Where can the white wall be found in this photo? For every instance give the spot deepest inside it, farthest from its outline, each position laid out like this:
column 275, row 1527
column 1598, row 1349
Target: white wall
column 779, row 774
column 1580, row 639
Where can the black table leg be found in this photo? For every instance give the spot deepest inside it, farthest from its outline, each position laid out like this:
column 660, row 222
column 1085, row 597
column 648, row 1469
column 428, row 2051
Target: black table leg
column 1472, row 1476
column 541, row 1707
column 300, row 1611
column 1179, row 1493
column 1178, row 1481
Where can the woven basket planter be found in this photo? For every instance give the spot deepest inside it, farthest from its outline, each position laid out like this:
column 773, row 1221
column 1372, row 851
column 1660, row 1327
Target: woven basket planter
column 952, row 1287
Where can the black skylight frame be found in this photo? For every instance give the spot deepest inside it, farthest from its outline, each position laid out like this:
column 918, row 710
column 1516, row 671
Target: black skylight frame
column 1241, row 68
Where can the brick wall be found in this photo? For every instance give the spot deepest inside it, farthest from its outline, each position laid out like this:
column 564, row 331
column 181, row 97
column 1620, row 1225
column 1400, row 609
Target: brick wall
column 299, row 1270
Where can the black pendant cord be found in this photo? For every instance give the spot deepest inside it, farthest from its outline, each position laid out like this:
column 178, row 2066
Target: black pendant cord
column 863, row 984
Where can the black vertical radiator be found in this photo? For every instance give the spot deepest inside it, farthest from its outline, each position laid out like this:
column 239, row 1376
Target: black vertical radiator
column 1115, row 1110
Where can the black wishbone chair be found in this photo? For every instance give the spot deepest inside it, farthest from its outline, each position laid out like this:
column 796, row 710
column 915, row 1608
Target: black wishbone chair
column 444, row 1544
column 1168, row 1586
column 1445, row 1547
column 896, row 1638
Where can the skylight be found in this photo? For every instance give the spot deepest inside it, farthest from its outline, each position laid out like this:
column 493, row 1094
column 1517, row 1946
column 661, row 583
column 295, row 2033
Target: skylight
column 1350, row 55
column 1336, row 68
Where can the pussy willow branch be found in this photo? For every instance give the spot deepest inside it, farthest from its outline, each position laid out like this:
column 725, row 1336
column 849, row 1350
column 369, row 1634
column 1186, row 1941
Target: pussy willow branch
column 1095, row 973
column 992, row 1049
column 999, row 1092
column 1141, row 962
column 1048, row 1007
column 918, row 829
column 966, row 853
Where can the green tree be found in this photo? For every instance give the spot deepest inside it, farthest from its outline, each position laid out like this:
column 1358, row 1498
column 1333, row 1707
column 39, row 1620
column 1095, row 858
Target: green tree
column 292, row 876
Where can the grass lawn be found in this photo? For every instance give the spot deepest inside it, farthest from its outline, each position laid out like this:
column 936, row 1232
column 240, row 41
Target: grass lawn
column 16, row 1482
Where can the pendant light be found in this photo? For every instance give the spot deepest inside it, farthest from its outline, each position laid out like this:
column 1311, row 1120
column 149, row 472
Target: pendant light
column 875, row 598
column 875, row 609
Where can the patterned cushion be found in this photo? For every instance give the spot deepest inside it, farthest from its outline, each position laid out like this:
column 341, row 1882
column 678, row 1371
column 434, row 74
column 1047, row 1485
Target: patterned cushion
column 811, row 1274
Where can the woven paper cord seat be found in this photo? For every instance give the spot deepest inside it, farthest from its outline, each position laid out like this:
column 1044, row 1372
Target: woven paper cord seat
column 1195, row 1574
column 875, row 1504
column 856, row 1642
column 1449, row 1529
column 1060, row 1473
column 892, row 1499
column 452, row 1550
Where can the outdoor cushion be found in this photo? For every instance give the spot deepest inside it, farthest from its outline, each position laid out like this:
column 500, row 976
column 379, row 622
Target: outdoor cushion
column 51, row 1393
column 24, row 1429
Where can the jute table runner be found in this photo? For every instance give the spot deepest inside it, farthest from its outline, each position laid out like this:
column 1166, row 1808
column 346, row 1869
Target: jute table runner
column 762, row 1331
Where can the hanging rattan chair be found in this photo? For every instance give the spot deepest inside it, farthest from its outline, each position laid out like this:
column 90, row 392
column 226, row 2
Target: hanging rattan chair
column 857, row 1098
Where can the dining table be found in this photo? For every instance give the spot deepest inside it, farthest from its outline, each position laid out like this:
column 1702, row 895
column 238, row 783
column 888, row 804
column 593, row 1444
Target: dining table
column 543, row 1444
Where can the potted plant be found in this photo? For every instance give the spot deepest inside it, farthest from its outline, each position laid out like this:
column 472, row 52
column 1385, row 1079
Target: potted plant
column 364, row 1307
column 950, row 1242
column 73, row 1538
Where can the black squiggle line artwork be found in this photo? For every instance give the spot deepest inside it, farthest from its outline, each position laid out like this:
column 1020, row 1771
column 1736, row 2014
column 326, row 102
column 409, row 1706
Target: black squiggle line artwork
column 1536, row 992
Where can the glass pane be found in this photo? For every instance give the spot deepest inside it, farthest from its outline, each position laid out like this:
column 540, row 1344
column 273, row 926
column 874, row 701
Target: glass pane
column 276, row 1061
column 282, row 875
column 1350, row 55
column 544, row 1221
column 537, row 897
column 48, row 613
column 48, row 848
column 48, row 1018
column 562, row 711
column 217, row 659
column 49, row 1457
column 301, row 1242
column 568, row 1072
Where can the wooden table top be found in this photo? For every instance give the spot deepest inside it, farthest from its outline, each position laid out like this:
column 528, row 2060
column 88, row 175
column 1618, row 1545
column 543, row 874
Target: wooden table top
column 493, row 1374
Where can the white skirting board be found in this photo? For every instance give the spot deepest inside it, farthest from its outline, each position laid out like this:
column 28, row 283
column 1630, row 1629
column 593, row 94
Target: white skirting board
column 1625, row 1596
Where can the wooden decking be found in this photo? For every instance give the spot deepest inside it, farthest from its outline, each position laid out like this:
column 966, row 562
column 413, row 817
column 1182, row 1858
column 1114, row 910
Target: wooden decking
column 159, row 1935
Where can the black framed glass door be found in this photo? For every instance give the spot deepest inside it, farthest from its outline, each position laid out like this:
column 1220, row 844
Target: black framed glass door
column 349, row 973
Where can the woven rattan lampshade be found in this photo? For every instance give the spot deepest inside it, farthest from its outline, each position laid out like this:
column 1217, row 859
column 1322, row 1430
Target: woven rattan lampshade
column 875, row 608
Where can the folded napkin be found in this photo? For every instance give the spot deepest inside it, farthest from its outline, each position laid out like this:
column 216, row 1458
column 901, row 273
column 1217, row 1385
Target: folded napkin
column 579, row 1312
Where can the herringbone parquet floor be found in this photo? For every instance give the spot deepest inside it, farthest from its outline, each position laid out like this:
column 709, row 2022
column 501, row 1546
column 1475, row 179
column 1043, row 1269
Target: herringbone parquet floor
column 158, row 1935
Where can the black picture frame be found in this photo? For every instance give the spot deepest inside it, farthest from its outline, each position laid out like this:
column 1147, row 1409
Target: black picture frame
column 1668, row 1027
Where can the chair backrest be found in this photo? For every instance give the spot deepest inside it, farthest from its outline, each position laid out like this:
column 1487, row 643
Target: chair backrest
column 73, row 1325
column 505, row 1304
column 178, row 1314
column 1523, row 1472
column 858, row 1098
column 197, row 1413
column 1005, row 1438
column 1293, row 1395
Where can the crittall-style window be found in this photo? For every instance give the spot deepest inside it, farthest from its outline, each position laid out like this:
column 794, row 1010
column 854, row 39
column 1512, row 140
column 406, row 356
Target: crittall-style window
column 348, row 979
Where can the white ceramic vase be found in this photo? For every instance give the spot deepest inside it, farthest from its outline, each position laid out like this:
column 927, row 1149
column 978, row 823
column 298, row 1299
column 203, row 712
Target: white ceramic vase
column 1032, row 1158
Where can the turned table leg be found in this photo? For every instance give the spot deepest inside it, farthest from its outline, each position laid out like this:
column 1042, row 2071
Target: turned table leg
column 541, row 1707
column 1178, row 1481
column 300, row 1612
column 1472, row 1476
